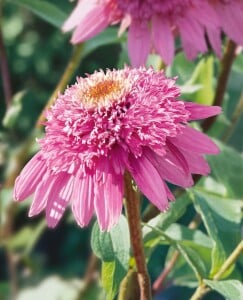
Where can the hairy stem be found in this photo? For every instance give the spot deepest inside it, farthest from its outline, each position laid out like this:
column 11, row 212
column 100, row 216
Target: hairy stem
column 202, row 290
column 4, row 65
column 225, row 69
column 134, row 222
column 68, row 73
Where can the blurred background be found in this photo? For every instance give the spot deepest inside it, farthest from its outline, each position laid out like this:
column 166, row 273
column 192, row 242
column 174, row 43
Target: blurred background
column 41, row 263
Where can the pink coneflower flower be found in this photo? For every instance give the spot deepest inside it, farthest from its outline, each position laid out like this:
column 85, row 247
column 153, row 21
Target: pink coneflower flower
column 154, row 24
column 108, row 123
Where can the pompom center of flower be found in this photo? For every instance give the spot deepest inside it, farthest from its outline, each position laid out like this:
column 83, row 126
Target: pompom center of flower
column 102, row 92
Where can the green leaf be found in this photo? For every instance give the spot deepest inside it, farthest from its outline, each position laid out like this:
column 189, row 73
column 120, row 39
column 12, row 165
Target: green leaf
column 222, row 220
column 14, row 110
column 113, row 248
column 162, row 222
column 189, row 236
column 230, row 289
column 107, row 37
column 203, row 76
column 26, row 238
column 227, row 168
column 6, row 199
column 190, row 249
column 45, row 10
column 174, row 213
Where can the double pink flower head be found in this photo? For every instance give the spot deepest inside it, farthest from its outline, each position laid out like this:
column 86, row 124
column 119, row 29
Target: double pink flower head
column 108, row 123
column 154, row 24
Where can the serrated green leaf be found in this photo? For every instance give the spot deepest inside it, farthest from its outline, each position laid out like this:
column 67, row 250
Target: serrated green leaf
column 45, row 10
column 230, row 289
column 113, row 248
column 222, row 220
column 227, row 168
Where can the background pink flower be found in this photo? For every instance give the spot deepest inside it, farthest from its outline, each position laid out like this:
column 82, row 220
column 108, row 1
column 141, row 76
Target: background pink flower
column 107, row 123
column 154, row 24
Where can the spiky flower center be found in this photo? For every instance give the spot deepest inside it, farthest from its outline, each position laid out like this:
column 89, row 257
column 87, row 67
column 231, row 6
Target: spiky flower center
column 102, row 92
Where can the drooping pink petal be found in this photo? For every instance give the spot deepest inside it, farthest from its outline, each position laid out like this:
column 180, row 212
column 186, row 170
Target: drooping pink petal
column 138, row 43
column 204, row 13
column 230, row 15
column 149, row 181
column 197, row 164
column 214, row 35
column 169, row 170
column 163, row 39
column 108, row 200
column 83, row 199
column 195, row 141
column 29, row 178
column 119, row 159
column 176, row 156
column 169, row 194
column 79, row 13
column 41, row 194
column 58, row 199
column 192, row 36
column 48, row 195
column 198, row 111
column 93, row 23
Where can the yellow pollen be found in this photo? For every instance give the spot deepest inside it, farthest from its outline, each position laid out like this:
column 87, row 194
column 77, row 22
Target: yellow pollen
column 102, row 90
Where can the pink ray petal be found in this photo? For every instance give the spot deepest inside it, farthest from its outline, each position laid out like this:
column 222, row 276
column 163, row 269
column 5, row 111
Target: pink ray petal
column 168, row 170
column 47, row 196
column 56, row 203
column 138, row 43
column 83, row 199
column 149, row 181
column 214, row 35
column 195, row 141
column 230, row 15
column 93, row 23
column 199, row 111
column 79, row 13
column 108, row 200
column 29, row 178
column 163, row 38
column 197, row 164
column 192, row 36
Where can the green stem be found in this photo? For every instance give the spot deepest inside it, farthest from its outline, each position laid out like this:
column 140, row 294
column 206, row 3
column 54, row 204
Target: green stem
column 134, row 222
column 229, row 261
column 202, row 290
column 68, row 73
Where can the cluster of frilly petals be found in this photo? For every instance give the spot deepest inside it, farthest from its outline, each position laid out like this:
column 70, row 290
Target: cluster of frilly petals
column 154, row 24
column 107, row 124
